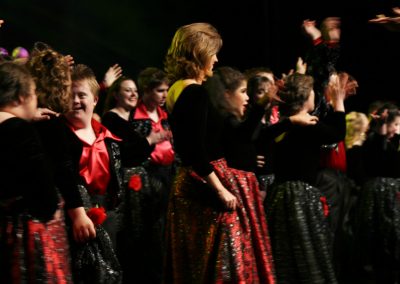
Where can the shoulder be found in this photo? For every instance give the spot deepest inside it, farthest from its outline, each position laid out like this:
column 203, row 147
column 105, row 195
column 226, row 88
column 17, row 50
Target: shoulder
column 19, row 132
column 110, row 116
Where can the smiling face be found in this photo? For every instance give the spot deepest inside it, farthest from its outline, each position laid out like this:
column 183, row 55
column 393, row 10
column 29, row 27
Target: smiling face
column 83, row 104
column 127, row 96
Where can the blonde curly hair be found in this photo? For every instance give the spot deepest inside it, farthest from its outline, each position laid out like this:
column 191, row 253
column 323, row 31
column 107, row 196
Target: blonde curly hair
column 191, row 48
column 52, row 76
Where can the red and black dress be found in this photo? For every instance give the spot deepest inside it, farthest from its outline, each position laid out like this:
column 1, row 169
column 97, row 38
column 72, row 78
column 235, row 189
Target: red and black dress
column 205, row 242
column 33, row 243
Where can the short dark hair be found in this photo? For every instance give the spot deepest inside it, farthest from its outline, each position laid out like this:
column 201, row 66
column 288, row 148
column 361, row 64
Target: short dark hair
column 295, row 93
column 15, row 81
column 151, row 78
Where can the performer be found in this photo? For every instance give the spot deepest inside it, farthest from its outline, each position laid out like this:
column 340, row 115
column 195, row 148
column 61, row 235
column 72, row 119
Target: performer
column 141, row 237
column 209, row 228
column 33, row 241
column 96, row 162
column 296, row 210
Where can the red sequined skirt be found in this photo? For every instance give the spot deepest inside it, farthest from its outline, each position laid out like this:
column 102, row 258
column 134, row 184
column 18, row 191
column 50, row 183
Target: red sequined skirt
column 33, row 251
column 208, row 244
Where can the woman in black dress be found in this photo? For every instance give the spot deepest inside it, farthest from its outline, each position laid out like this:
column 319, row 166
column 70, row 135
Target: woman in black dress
column 141, row 258
column 32, row 237
column 208, row 228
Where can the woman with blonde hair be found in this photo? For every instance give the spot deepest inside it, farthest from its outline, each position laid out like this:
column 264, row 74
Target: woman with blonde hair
column 208, row 231
column 356, row 127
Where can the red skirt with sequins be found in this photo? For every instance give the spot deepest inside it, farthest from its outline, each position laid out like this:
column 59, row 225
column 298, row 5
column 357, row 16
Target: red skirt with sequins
column 208, row 244
column 33, row 251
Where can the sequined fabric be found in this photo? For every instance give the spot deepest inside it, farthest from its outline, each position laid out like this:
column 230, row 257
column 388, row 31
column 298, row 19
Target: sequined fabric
column 140, row 240
column 207, row 244
column 378, row 228
column 33, row 251
column 300, row 238
column 95, row 261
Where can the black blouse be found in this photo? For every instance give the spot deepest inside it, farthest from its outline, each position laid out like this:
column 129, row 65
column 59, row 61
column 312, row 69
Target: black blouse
column 136, row 149
column 25, row 172
column 297, row 152
column 197, row 129
column 382, row 156
column 54, row 134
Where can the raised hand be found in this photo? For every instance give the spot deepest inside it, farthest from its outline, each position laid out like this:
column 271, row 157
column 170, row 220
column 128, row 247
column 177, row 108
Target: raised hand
column 311, row 29
column 112, row 74
column 301, row 66
column 336, row 90
column 391, row 23
column 331, row 29
column 70, row 60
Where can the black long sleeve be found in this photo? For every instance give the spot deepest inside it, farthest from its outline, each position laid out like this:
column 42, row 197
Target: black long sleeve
column 53, row 133
column 25, row 170
column 297, row 152
column 381, row 156
column 197, row 129
column 239, row 140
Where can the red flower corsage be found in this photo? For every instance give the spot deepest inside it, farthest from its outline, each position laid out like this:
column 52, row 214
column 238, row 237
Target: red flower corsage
column 97, row 215
column 135, row 183
column 325, row 206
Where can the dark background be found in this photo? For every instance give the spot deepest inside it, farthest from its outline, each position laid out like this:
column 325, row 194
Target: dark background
column 136, row 34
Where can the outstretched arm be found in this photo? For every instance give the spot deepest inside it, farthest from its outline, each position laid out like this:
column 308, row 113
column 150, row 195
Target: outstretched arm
column 391, row 23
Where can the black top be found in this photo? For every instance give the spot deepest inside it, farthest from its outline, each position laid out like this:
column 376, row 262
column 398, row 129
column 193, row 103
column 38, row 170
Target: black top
column 355, row 164
column 25, row 172
column 197, row 129
column 297, row 153
column 382, row 156
column 243, row 141
column 53, row 134
column 140, row 148
column 74, row 151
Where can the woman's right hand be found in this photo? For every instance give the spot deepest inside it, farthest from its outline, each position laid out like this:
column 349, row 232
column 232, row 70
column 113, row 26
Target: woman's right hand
column 83, row 228
column 227, row 198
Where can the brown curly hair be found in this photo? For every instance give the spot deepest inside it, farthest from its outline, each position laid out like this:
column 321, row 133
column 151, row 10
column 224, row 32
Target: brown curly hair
column 53, row 79
column 191, row 48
